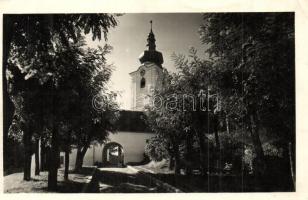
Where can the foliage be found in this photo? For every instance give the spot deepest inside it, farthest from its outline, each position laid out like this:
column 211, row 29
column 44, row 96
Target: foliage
column 248, row 79
column 255, row 54
column 184, row 113
column 156, row 148
column 52, row 79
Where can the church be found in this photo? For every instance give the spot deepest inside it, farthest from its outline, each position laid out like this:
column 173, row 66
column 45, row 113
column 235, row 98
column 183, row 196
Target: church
column 127, row 145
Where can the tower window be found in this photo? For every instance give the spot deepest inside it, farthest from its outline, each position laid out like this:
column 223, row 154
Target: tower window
column 142, row 83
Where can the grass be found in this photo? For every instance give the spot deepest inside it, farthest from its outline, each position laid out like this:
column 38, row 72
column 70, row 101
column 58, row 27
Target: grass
column 218, row 182
column 14, row 183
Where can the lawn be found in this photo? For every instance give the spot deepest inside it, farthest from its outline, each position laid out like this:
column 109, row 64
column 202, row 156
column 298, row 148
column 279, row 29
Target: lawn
column 217, row 182
column 14, row 183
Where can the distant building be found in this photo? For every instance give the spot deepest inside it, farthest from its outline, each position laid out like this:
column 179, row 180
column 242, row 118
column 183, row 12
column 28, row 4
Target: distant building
column 127, row 145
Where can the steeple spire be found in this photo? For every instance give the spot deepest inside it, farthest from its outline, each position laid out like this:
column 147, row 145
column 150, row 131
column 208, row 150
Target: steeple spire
column 151, row 39
column 151, row 55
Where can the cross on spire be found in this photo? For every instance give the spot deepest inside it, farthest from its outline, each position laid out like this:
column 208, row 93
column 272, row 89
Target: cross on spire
column 151, row 24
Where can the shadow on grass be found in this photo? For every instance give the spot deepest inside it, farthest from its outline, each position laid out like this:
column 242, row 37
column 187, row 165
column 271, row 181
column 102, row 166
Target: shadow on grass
column 75, row 184
column 105, row 181
column 64, row 187
column 117, row 182
column 226, row 183
column 145, row 182
column 70, row 187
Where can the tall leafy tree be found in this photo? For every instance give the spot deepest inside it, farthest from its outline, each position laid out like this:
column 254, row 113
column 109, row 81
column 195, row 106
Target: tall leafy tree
column 41, row 56
column 36, row 31
column 97, row 110
column 183, row 111
column 255, row 52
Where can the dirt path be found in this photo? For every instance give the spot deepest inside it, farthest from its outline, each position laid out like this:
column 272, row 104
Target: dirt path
column 125, row 180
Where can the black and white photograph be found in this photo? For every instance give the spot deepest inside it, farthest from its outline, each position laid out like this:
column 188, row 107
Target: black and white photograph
column 168, row 102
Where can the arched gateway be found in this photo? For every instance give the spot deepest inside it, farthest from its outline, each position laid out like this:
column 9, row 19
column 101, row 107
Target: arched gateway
column 113, row 155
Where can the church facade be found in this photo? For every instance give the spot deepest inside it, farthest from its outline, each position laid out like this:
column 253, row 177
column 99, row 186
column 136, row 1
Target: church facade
column 127, row 145
column 148, row 77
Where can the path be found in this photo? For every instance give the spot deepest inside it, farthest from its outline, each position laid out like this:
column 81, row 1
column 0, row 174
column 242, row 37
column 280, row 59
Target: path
column 125, row 180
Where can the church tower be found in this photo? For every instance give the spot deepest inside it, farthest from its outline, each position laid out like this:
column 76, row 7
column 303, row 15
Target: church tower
column 148, row 77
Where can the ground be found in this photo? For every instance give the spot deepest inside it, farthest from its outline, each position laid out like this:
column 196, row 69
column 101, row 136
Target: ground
column 107, row 180
column 14, row 183
column 150, row 178
column 125, row 180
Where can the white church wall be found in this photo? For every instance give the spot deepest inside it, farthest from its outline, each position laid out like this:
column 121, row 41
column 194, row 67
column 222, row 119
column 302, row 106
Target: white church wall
column 133, row 144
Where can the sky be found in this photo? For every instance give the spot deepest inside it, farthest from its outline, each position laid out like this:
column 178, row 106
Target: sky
column 174, row 33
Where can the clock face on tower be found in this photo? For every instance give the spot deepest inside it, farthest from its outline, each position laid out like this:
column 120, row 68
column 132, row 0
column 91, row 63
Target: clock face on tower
column 142, row 72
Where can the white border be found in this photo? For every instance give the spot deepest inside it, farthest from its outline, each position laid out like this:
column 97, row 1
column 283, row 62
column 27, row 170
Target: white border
column 300, row 7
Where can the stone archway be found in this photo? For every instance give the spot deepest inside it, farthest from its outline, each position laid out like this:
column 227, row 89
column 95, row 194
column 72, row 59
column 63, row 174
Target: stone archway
column 113, row 155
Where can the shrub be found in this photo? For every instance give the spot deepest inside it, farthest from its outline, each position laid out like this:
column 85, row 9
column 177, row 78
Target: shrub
column 156, row 148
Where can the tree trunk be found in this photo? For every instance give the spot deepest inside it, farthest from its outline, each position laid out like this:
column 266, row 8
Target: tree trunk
column 216, row 135
column 171, row 162
column 255, row 137
column 80, row 155
column 259, row 160
column 54, row 160
column 43, row 157
column 67, row 156
column 37, row 157
column 27, row 167
column 189, row 153
column 78, row 163
column 202, row 155
column 28, row 154
column 227, row 125
column 67, row 160
column 291, row 164
column 177, row 163
column 217, row 141
column 8, row 106
column 171, row 159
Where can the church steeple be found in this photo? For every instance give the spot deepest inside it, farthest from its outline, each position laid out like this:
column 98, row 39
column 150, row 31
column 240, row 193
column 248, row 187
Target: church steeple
column 151, row 40
column 151, row 55
column 149, row 75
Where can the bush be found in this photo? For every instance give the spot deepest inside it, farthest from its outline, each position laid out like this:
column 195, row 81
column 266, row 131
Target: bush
column 272, row 150
column 156, row 149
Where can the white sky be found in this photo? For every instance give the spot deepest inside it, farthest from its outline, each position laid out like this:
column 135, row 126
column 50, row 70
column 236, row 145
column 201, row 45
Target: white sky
column 174, row 33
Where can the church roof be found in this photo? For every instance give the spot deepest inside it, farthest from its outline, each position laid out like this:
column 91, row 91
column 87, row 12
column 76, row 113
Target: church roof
column 151, row 55
column 133, row 121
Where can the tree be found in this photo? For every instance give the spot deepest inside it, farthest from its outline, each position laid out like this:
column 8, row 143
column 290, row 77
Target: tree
column 170, row 137
column 25, row 119
column 96, row 126
column 166, row 121
column 37, row 45
column 92, row 115
column 36, row 32
column 156, row 148
column 184, row 112
column 255, row 54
